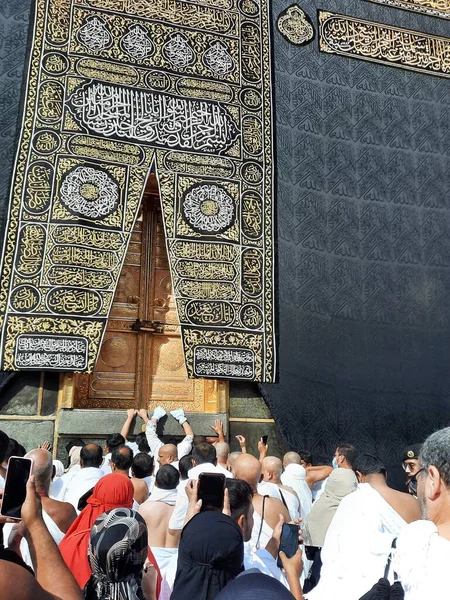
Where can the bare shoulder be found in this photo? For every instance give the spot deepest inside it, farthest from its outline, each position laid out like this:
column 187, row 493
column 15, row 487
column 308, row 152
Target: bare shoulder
column 274, row 508
column 58, row 510
column 405, row 504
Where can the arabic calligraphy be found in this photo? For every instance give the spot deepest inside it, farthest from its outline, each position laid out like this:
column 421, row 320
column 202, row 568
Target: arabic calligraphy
column 295, row 26
column 208, row 208
column 31, row 244
column 69, row 301
column 153, row 118
column 137, row 43
column 116, row 88
column 194, row 16
column 387, row 45
column 210, row 313
column 434, row 8
column 94, row 34
column 218, row 59
column 221, row 362
column 40, row 352
column 38, row 188
column 178, row 51
column 89, row 193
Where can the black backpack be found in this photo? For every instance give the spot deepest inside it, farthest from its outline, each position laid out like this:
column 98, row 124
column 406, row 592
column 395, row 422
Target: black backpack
column 383, row 590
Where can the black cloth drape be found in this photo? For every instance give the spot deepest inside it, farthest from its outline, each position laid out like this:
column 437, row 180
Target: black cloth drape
column 363, row 165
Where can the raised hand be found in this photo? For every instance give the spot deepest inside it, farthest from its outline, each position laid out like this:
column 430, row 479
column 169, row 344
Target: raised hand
column 131, row 413
column 45, row 446
column 242, row 441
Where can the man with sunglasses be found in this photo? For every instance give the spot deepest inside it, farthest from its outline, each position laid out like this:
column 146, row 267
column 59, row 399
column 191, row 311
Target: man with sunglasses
column 423, row 548
column 410, row 464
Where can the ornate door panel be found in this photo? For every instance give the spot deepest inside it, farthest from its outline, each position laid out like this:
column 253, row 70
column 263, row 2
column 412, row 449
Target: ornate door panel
column 142, row 367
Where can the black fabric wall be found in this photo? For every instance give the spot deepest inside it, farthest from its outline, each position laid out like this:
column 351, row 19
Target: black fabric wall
column 14, row 28
column 363, row 161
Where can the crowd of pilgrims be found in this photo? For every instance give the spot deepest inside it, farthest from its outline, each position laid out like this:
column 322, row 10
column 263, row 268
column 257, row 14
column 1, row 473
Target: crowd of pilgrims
column 126, row 522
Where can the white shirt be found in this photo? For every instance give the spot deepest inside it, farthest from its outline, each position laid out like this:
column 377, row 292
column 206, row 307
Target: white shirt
column 183, row 448
column 181, row 505
column 357, row 545
column 421, row 561
column 83, row 481
column 294, row 477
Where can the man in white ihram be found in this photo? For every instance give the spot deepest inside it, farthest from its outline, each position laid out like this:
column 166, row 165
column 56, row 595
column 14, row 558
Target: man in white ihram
column 167, row 453
column 423, row 548
column 294, row 476
column 359, row 539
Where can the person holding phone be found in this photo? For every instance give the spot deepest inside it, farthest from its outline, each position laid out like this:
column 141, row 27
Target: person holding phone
column 210, row 555
column 58, row 516
column 204, row 460
column 53, row 579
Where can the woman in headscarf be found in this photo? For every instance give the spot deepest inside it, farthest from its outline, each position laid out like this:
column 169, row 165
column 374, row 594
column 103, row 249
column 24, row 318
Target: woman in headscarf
column 117, row 553
column 210, row 555
column 340, row 483
column 112, row 491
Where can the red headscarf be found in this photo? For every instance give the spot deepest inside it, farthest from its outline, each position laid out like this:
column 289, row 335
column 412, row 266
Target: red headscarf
column 112, row 491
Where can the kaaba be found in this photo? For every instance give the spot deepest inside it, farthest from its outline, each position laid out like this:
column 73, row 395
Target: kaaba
column 239, row 207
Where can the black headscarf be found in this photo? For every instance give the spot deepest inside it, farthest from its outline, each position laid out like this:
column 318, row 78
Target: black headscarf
column 210, row 555
column 255, row 586
column 117, row 553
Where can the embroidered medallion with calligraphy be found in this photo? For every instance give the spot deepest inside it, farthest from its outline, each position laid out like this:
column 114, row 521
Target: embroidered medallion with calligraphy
column 117, row 88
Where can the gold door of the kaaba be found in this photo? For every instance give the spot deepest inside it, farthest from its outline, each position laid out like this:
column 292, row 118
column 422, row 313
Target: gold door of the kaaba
column 141, row 361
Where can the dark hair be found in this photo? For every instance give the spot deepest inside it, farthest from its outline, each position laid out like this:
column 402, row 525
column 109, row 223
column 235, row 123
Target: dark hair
column 4, row 442
column 240, row 494
column 306, row 456
column 349, row 452
column 142, row 465
column 141, row 441
column 76, row 442
column 14, row 449
column 204, row 453
column 198, row 439
column 167, row 478
column 91, row 455
column 185, row 465
column 122, row 457
column 115, row 440
column 368, row 464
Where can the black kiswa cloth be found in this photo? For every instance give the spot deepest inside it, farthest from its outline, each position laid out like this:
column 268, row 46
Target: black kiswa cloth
column 211, row 554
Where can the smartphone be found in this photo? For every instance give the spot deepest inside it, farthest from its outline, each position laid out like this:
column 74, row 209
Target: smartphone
column 211, row 489
column 15, row 492
column 264, row 439
column 288, row 541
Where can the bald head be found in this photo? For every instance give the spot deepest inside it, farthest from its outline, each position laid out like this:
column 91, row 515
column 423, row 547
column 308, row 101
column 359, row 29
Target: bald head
column 271, row 469
column 248, row 468
column 232, row 459
column 42, row 468
column 222, row 451
column 167, row 454
column 291, row 458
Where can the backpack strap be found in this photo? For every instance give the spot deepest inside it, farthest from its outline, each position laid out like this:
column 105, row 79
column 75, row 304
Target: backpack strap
column 389, row 561
column 262, row 521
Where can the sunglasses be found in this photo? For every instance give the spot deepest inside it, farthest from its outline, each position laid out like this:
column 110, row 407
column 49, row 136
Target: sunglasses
column 413, row 482
column 407, row 466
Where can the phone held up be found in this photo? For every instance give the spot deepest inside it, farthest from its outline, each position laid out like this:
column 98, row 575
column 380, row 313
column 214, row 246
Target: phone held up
column 264, row 439
column 15, row 492
column 211, row 490
column 288, row 541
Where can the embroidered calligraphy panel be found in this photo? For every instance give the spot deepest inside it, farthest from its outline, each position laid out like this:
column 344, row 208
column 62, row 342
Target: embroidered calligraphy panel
column 117, row 88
